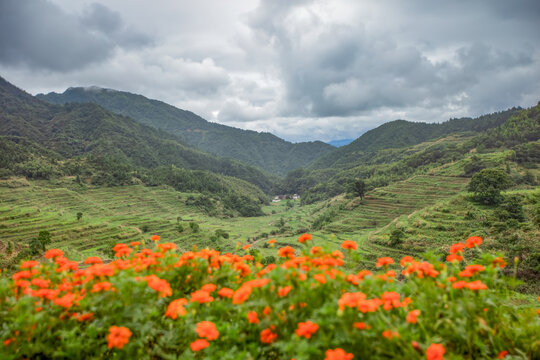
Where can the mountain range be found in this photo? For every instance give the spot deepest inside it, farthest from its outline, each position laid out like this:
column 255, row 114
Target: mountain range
column 264, row 150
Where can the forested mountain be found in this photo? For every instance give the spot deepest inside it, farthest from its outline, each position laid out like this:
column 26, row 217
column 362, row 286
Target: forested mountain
column 46, row 138
column 263, row 150
column 402, row 133
column 381, row 164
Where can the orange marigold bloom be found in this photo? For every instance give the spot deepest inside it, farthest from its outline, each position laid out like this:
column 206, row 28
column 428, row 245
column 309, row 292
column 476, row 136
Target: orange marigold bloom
column 209, row 288
column 22, row 275
column 155, row 238
column 207, row 329
column 29, row 264
column 498, row 262
column 42, row 283
column 350, row 300
column 502, row 354
column 286, row 251
column 102, row 286
column 135, row 243
column 315, row 250
column 226, row 292
column 470, row 270
column 201, row 297
column 411, row 317
column 473, row 241
column 476, row 285
column 167, row 246
column 457, row 248
column 8, row 341
column 338, row 354
column 435, row 352
column 273, row 241
column 360, row 325
column 199, row 344
column 175, row 308
column 454, row 257
column 283, row 291
column 320, row 278
column 459, row 284
column 245, row 247
column 242, row 294
column 52, row 253
column 267, row 310
column 84, row 317
column 406, row 260
column 306, row 329
column 267, row 336
column 118, row 337
column 349, row 245
column 303, row 238
column 65, row 301
column 159, row 285
column 384, row 261
column 253, row 318
column 93, row 260
column 389, row 334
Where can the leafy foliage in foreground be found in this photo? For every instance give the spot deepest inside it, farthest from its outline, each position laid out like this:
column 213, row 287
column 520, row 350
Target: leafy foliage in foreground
column 157, row 303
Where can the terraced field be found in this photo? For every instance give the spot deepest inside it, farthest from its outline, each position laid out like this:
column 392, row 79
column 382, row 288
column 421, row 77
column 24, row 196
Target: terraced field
column 384, row 207
column 123, row 214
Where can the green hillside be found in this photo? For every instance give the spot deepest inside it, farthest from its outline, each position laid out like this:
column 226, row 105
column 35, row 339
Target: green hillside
column 263, row 150
column 402, row 133
column 40, row 140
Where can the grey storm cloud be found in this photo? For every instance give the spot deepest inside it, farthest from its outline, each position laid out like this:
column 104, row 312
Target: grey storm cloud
column 342, row 69
column 39, row 34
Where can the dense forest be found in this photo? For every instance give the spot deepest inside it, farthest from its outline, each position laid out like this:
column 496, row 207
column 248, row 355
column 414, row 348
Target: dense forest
column 263, row 150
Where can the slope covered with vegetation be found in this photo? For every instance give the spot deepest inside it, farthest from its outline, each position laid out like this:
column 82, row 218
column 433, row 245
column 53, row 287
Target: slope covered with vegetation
column 40, row 140
column 263, row 150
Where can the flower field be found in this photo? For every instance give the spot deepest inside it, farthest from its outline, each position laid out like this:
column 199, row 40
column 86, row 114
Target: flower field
column 154, row 302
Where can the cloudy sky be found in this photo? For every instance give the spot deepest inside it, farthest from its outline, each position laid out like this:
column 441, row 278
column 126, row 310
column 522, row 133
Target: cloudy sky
column 301, row 69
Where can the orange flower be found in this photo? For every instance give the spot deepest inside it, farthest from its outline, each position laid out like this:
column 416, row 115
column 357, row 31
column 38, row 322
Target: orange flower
column 118, row 337
column 267, row 310
column 303, row 238
column 93, row 260
column 65, row 301
column 242, row 294
column 207, row 329
column 360, row 325
column 29, row 264
column 338, row 354
column 209, row 288
column 320, row 278
column 384, row 261
column 155, row 238
column 42, row 283
column 473, row 241
column 135, row 243
column 286, row 251
column 267, row 336
column 102, row 286
column 476, row 285
column 306, row 329
column 457, row 248
column 283, row 291
column 253, row 317
column 435, row 352
column 273, row 241
column 159, row 285
column 454, row 257
column 175, row 308
column 389, row 334
column 199, row 344
column 406, row 260
column 201, row 297
column 498, row 262
column 226, row 292
column 349, row 245
column 502, row 354
column 411, row 317
column 470, row 270
column 8, row 341
column 167, row 246
column 52, row 253
column 459, row 284
column 245, row 247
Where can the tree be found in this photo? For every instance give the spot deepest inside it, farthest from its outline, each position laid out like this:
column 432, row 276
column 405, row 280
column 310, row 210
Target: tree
column 39, row 244
column 396, row 237
column 79, row 216
column 359, row 188
column 487, row 185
